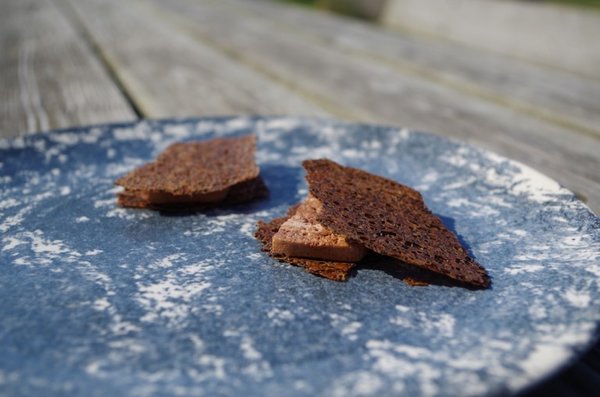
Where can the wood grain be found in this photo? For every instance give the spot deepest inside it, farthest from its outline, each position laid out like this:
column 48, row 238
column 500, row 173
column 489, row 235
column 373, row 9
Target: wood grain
column 370, row 91
column 551, row 34
column 169, row 74
column 49, row 77
column 554, row 96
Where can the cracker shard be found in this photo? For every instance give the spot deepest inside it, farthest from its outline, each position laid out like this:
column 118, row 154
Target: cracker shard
column 301, row 236
column 390, row 219
column 332, row 270
column 194, row 174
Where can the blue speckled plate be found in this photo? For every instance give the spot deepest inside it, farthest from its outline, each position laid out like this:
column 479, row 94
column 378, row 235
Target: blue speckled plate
column 98, row 300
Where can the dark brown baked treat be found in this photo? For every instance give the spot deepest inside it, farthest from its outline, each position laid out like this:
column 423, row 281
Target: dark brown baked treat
column 301, row 236
column 196, row 174
column 336, row 271
column 390, row 219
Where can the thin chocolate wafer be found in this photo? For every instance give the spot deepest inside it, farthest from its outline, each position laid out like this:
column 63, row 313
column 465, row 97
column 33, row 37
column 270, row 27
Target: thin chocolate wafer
column 196, row 174
column 390, row 219
column 301, row 236
column 337, row 271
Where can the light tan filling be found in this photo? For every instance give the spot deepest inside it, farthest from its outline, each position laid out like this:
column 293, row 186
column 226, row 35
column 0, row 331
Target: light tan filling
column 302, row 236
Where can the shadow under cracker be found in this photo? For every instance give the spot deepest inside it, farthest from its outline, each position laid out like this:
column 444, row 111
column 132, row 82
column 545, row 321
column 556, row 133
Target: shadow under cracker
column 283, row 182
column 410, row 274
column 450, row 224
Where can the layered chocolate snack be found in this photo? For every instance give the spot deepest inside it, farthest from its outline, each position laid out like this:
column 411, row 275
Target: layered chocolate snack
column 337, row 271
column 196, row 175
column 350, row 212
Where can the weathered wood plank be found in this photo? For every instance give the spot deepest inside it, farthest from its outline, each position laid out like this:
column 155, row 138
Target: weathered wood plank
column 558, row 97
column 169, row 74
column 49, row 77
column 558, row 36
column 370, row 91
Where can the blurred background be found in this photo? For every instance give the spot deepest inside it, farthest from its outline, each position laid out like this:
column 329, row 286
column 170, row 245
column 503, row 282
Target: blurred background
column 557, row 32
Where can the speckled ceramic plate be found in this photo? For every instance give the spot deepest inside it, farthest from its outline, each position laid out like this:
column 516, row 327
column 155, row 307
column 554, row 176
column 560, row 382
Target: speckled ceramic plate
column 101, row 300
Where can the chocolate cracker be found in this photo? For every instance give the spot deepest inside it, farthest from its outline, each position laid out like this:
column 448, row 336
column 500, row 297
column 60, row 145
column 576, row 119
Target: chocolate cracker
column 336, row 271
column 390, row 219
column 196, row 175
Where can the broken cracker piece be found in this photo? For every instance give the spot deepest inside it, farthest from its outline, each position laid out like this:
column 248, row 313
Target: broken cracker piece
column 390, row 219
column 196, row 174
column 301, row 236
column 336, row 271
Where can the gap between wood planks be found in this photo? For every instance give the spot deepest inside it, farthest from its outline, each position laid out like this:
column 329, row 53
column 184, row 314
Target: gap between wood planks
column 169, row 73
column 49, row 78
column 71, row 15
column 329, row 106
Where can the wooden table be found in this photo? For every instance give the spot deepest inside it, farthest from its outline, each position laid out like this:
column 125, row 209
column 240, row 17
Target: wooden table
column 73, row 62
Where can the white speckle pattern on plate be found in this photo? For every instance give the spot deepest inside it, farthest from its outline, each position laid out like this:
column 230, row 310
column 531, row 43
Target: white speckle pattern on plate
column 99, row 300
